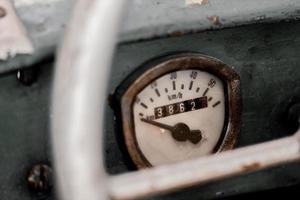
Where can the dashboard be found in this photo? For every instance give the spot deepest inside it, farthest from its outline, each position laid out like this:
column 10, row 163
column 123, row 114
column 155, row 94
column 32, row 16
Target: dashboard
column 172, row 97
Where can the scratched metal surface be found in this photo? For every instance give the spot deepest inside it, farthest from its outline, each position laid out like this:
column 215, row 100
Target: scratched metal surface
column 45, row 20
column 265, row 55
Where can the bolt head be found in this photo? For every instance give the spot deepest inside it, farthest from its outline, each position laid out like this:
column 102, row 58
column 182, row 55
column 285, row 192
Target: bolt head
column 40, row 178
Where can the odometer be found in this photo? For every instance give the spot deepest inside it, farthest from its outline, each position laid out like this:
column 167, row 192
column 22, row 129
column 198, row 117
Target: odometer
column 181, row 107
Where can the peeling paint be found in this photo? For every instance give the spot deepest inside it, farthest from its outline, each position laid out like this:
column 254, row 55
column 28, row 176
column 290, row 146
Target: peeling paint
column 196, row 2
column 13, row 37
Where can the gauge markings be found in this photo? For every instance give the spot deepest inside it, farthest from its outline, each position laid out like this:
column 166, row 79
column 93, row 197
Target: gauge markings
column 144, row 105
column 191, row 85
column 166, row 110
column 205, row 92
column 215, row 104
column 157, row 92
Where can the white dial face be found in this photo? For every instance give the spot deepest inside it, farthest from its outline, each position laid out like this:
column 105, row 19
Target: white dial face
column 179, row 116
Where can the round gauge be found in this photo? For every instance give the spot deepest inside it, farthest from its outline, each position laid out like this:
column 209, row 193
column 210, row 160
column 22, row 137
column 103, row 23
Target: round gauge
column 178, row 108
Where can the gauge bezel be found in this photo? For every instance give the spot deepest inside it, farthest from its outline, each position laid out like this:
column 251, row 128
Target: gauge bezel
column 164, row 65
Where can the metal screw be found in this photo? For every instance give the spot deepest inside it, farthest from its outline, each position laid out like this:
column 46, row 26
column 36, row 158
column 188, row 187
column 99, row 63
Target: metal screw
column 2, row 12
column 40, row 178
column 27, row 76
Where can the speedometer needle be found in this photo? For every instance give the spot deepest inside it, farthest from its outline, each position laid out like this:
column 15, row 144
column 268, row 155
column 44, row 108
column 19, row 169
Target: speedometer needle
column 158, row 124
column 180, row 131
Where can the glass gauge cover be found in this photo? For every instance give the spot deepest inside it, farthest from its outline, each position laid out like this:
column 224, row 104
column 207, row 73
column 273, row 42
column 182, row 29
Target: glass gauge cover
column 179, row 107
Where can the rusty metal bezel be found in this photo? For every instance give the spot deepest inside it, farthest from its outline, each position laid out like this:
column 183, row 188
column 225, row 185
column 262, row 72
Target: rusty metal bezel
column 161, row 66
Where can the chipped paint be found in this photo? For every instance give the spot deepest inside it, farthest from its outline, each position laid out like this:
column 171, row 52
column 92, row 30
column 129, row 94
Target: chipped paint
column 215, row 20
column 13, row 37
column 196, row 2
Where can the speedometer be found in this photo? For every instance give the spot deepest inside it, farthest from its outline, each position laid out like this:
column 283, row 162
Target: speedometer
column 178, row 108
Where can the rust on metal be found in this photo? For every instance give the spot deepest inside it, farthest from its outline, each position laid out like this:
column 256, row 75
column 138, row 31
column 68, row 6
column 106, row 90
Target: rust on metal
column 215, row 20
column 2, row 12
column 251, row 167
column 206, row 169
column 176, row 34
column 184, row 61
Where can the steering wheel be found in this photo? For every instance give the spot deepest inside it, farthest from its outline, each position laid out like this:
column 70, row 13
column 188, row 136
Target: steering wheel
column 81, row 76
